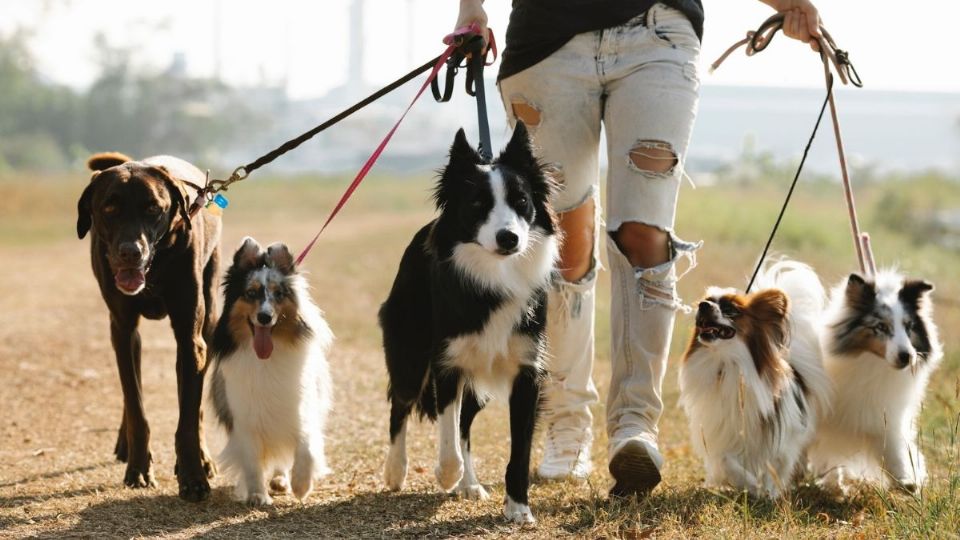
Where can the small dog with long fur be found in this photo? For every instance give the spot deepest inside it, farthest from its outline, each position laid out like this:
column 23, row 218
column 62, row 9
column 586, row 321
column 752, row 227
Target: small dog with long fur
column 752, row 381
column 881, row 348
column 465, row 319
column 270, row 386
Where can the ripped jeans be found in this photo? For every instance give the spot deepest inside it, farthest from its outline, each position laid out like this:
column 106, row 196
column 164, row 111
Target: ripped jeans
column 639, row 81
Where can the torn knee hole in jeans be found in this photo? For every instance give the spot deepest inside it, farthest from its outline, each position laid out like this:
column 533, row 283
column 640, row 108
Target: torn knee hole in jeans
column 654, row 158
column 657, row 285
column 526, row 113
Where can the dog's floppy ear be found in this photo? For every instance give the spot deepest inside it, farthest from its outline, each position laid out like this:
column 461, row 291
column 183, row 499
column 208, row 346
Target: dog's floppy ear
column 913, row 290
column 859, row 292
column 249, row 254
column 84, row 208
column 178, row 194
column 279, row 257
column 105, row 160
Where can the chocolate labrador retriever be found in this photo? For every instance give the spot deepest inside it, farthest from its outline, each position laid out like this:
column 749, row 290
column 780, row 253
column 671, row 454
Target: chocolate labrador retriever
column 152, row 260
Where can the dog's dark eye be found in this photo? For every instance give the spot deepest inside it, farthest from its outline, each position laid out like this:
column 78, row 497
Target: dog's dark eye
column 728, row 309
column 251, row 294
column 278, row 294
column 908, row 325
column 154, row 209
column 882, row 328
column 522, row 200
column 110, row 209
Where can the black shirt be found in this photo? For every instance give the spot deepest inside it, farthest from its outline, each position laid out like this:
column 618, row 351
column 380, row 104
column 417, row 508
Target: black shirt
column 538, row 28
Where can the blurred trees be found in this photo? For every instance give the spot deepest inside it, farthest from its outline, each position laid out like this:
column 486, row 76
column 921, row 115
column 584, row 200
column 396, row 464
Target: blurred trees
column 45, row 126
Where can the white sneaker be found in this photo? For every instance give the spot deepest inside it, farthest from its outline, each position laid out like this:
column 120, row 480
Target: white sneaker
column 566, row 452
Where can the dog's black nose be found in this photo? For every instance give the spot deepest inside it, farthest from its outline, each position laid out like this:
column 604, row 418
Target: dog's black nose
column 903, row 359
column 130, row 252
column 507, row 240
column 264, row 318
column 704, row 308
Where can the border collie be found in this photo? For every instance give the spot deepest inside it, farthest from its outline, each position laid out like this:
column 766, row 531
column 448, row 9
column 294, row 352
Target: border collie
column 881, row 348
column 465, row 319
column 271, row 385
column 752, row 381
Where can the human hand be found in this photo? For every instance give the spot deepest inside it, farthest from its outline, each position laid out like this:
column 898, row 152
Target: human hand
column 471, row 11
column 801, row 21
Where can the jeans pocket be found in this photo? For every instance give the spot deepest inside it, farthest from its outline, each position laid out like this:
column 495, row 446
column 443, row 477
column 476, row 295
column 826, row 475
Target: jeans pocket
column 672, row 28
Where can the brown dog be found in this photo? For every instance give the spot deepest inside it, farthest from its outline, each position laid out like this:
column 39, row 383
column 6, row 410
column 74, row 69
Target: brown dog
column 152, row 260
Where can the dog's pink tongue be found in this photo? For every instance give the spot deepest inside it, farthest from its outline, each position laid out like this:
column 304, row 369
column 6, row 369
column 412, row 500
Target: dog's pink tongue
column 262, row 342
column 129, row 279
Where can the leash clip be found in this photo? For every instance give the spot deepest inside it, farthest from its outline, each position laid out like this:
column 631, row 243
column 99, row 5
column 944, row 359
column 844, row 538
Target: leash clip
column 216, row 186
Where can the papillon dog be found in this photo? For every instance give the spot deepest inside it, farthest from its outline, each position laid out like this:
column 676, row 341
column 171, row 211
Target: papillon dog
column 752, row 382
column 881, row 347
column 270, row 386
column 465, row 319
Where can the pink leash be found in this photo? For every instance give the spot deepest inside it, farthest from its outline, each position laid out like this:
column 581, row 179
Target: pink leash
column 452, row 41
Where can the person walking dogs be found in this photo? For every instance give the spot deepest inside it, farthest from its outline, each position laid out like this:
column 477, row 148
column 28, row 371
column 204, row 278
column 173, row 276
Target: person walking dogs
column 570, row 66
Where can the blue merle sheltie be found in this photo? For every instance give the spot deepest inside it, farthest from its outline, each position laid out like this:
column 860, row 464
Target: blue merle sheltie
column 270, row 385
column 465, row 319
column 881, row 347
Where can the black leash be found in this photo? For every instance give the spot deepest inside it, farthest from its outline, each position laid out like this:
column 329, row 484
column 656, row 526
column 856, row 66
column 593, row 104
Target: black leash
column 796, row 177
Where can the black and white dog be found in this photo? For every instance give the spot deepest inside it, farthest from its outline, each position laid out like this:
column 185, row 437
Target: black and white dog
column 465, row 319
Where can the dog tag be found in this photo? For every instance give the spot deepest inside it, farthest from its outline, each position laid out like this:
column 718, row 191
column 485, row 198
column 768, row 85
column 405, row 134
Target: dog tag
column 217, row 205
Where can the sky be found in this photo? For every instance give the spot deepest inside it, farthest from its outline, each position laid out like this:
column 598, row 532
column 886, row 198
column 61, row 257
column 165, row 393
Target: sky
column 894, row 46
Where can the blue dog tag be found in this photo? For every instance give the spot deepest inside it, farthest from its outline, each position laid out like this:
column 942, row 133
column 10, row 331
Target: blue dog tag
column 221, row 201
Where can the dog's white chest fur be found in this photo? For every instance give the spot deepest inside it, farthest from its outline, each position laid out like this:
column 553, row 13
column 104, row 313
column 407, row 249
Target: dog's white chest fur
column 491, row 358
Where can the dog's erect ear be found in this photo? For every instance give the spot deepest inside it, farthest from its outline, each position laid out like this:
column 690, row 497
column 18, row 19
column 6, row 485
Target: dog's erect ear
column 859, row 292
column 462, row 152
column 770, row 304
column 770, row 308
column 105, row 160
column 279, row 257
column 178, row 194
column 913, row 290
column 519, row 153
column 249, row 254
column 84, row 208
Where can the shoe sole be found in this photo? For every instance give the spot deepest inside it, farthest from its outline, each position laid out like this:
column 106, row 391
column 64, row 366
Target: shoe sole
column 634, row 471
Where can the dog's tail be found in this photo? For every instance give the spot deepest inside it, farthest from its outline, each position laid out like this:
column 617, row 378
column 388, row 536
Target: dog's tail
column 105, row 160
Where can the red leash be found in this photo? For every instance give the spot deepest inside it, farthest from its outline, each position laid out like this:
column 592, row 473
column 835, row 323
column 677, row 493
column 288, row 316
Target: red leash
column 453, row 41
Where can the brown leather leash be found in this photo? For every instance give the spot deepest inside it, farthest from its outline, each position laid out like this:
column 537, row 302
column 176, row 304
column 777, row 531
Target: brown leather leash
column 757, row 41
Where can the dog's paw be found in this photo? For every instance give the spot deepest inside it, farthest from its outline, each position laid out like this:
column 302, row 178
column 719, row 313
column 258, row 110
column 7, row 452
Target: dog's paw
column 301, row 485
column 908, row 485
column 259, row 499
column 394, row 473
column 135, row 478
column 279, row 485
column 194, row 490
column 517, row 512
column 474, row 492
column 449, row 472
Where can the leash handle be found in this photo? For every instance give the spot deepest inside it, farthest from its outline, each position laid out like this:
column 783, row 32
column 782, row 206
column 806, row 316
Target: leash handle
column 470, row 47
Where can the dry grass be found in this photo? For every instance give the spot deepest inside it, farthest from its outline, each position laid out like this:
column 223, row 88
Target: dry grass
column 62, row 396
